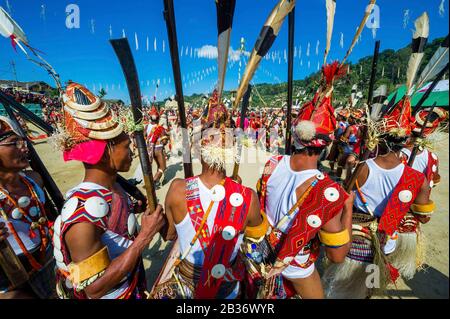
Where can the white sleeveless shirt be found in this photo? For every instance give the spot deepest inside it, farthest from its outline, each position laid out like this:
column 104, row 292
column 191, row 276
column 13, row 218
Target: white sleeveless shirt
column 420, row 162
column 280, row 198
column 186, row 231
column 377, row 191
column 378, row 187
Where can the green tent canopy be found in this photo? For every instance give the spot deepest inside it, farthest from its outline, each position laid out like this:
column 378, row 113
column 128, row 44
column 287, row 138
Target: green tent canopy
column 438, row 95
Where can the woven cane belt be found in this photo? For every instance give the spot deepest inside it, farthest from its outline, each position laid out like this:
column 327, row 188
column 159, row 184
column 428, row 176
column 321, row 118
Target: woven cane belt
column 361, row 248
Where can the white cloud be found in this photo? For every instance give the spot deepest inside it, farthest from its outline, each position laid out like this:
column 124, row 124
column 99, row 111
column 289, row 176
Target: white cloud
column 210, row 52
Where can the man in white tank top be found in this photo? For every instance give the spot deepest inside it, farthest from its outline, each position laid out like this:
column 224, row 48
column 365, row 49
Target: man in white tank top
column 409, row 254
column 23, row 221
column 209, row 214
column 304, row 207
column 385, row 190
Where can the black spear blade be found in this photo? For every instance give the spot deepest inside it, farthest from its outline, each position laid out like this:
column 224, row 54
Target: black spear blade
column 123, row 51
column 244, row 107
column 169, row 17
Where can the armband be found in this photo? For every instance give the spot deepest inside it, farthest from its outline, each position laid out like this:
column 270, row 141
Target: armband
column 90, row 267
column 259, row 231
column 334, row 239
column 423, row 209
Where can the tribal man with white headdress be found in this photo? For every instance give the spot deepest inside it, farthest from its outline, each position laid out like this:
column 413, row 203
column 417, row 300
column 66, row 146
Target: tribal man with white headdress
column 97, row 244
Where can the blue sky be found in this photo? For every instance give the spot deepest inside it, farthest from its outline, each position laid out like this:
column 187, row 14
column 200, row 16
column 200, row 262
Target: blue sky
column 85, row 55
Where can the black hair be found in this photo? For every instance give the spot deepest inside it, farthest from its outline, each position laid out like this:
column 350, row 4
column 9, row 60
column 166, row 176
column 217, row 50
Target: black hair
column 309, row 150
column 393, row 143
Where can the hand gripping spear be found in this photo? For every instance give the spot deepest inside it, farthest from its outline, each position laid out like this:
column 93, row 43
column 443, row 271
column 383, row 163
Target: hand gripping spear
column 123, row 51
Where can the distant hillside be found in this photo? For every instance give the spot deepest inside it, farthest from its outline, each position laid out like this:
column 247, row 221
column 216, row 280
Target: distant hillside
column 275, row 94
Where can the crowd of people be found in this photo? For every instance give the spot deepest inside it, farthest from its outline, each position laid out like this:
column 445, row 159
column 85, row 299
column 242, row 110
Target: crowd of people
column 230, row 241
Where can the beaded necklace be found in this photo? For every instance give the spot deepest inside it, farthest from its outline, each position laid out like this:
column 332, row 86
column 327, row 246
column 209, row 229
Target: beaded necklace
column 40, row 224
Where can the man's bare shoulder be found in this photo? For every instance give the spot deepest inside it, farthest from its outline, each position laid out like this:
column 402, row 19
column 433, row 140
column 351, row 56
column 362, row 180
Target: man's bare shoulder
column 176, row 190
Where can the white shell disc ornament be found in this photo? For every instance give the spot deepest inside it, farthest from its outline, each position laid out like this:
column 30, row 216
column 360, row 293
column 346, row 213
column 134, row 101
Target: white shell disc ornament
column 314, row 221
column 62, row 266
column 228, row 232
column 34, row 211
column 218, row 271
column 58, row 255
column 405, row 196
column 24, row 201
column 331, row 194
column 236, row 199
column 217, row 193
column 69, row 208
column 132, row 224
column 96, row 207
column 16, row 214
column 57, row 225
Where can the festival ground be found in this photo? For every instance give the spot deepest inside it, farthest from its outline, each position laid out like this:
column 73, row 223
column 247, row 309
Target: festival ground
column 432, row 282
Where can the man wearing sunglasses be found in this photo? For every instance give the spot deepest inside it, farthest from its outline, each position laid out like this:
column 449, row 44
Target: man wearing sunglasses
column 23, row 220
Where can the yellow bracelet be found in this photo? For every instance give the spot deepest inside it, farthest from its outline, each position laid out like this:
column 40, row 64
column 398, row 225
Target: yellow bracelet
column 258, row 231
column 423, row 209
column 334, row 239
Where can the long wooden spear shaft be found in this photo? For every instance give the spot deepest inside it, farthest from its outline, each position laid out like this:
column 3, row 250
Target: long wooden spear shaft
column 37, row 165
column 49, row 130
column 169, row 16
column 123, row 51
column 244, row 108
column 291, row 25
column 416, row 146
column 373, row 73
column 26, row 113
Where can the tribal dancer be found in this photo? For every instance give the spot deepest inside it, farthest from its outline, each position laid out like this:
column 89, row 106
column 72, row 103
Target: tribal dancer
column 156, row 138
column 209, row 213
column 23, row 220
column 301, row 202
column 351, row 144
column 342, row 124
column 386, row 189
column 409, row 254
column 97, row 244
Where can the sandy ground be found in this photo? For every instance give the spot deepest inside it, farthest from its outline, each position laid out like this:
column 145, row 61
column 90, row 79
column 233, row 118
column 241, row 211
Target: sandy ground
column 432, row 282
